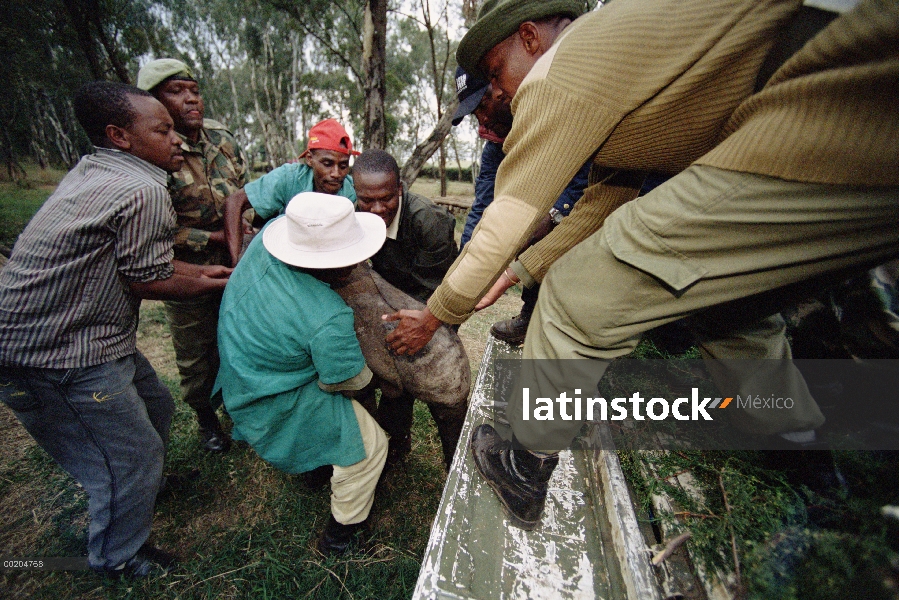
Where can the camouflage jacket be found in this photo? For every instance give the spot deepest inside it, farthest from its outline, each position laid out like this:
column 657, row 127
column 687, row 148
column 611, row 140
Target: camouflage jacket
column 214, row 168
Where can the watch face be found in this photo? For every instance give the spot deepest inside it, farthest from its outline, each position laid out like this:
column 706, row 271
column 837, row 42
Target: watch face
column 556, row 215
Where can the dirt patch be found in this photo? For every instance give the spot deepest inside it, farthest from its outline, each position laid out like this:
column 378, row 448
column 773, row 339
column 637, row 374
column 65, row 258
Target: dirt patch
column 15, row 440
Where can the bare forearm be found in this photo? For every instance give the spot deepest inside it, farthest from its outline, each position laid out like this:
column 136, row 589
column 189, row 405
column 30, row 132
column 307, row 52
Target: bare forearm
column 177, row 287
column 235, row 205
column 188, row 281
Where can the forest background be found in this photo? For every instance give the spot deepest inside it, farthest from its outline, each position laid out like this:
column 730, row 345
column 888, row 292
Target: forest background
column 268, row 70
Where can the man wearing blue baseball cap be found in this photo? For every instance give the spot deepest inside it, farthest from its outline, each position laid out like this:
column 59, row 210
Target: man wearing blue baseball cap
column 494, row 116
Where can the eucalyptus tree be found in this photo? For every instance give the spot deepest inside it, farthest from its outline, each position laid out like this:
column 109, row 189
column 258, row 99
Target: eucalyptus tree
column 50, row 48
column 423, row 36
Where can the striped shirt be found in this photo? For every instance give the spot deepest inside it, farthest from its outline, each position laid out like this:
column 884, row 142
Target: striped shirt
column 65, row 301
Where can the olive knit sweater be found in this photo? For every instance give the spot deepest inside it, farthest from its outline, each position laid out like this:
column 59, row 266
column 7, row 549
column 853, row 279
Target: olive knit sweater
column 659, row 84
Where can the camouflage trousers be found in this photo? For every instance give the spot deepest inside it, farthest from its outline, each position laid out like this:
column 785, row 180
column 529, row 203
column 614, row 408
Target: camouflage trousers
column 194, row 324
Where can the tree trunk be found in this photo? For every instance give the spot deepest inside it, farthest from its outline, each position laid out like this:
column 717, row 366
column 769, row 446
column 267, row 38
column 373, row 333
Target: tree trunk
column 13, row 169
column 81, row 22
column 426, row 149
column 263, row 121
column 442, row 169
column 374, row 52
column 112, row 52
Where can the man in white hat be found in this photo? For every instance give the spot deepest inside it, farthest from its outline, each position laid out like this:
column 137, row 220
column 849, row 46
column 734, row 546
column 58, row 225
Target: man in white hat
column 290, row 359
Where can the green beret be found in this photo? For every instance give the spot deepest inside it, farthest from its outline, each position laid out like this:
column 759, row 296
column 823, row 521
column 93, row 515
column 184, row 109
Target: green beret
column 156, row 71
column 498, row 19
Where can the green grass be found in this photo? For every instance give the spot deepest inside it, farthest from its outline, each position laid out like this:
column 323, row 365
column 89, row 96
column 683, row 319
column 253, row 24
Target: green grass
column 244, row 529
column 19, row 201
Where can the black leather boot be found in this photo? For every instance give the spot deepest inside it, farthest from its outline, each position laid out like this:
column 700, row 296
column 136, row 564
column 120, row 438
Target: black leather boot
column 511, row 331
column 210, row 429
column 337, row 537
column 449, row 421
column 517, row 475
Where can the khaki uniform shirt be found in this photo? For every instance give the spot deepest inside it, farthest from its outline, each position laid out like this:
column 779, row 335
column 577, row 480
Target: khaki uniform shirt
column 214, row 168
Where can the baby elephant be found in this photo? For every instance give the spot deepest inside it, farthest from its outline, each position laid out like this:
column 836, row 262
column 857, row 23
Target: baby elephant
column 439, row 375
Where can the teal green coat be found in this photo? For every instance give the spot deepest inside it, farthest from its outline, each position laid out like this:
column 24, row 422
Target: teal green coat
column 270, row 194
column 280, row 333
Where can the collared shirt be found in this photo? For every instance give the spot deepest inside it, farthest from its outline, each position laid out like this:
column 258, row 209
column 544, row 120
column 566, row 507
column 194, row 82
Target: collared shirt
column 270, row 194
column 416, row 260
column 214, row 168
column 394, row 228
column 65, row 299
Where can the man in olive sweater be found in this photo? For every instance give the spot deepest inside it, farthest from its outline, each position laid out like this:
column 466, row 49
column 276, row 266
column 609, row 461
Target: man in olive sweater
column 775, row 187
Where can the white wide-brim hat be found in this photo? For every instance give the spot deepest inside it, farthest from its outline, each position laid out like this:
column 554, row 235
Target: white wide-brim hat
column 322, row 231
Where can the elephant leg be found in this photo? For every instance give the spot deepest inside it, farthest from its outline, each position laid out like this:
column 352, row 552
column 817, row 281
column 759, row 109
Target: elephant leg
column 449, row 420
column 395, row 417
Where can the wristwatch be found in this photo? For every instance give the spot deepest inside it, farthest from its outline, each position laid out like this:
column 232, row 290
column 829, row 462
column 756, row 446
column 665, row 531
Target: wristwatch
column 555, row 215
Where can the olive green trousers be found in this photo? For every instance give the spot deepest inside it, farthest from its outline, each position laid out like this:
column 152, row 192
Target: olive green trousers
column 725, row 250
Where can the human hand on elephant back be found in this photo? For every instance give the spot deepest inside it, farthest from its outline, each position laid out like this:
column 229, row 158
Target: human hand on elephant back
column 415, row 330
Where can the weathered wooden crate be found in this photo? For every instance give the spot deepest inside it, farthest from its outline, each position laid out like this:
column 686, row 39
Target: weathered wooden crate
column 588, row 545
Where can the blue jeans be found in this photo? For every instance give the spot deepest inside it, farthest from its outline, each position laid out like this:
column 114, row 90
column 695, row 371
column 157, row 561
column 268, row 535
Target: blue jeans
column 108, row 427
column 491, row 156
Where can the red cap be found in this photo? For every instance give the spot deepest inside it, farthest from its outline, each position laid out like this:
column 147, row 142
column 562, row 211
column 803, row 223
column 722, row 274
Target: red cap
column 329, row 135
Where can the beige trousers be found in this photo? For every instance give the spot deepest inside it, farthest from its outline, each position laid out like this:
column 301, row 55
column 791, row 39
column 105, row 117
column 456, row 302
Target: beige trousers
column 738, row 242
column 353, row 487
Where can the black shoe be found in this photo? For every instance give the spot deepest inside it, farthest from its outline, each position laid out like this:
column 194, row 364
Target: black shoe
column 319, row 477
column 511, row 331
column 174, row 483
column 210, row 429
column 516, row 475
column 147, row 561
column 336, row 537
column 214, row 440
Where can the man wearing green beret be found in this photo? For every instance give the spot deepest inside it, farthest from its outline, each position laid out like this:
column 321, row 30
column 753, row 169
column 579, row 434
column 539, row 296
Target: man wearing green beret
column 785, row 171
column 214, row 167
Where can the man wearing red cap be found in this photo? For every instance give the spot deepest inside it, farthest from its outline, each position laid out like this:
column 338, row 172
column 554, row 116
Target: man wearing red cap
column 325, row 170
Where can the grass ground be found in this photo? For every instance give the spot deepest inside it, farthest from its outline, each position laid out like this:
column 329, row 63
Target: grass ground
column 430, row 188
column 19, row 202
column 245, row 529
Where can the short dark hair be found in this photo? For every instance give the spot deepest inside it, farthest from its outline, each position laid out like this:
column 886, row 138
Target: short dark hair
column 376, row 161
column 102, row 103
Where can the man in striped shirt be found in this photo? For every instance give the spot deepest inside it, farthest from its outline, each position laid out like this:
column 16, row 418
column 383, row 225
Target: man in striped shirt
column 69, row 300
